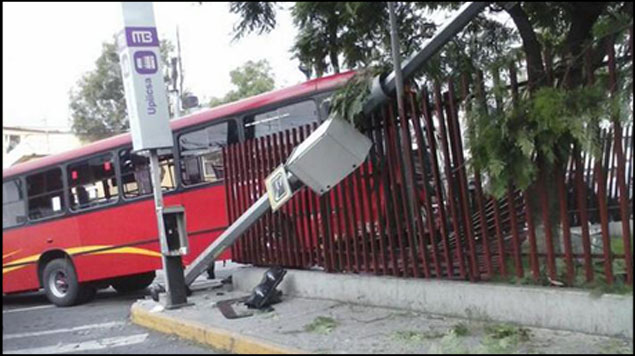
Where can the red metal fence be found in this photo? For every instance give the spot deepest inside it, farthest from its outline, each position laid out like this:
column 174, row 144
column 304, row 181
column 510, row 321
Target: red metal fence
column 363, row 224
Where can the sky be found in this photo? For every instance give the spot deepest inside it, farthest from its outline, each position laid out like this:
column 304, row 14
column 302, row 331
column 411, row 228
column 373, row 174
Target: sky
column 47, row 47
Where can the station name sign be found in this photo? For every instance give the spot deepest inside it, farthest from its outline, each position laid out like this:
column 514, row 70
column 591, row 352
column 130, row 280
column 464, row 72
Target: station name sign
column 140, row 60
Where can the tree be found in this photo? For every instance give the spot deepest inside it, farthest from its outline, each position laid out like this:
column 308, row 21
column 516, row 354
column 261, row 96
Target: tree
column 98, row 104
column 551, row 37
column 514, row 140
column 329, row 32
column 358, row 33
column 252, row 78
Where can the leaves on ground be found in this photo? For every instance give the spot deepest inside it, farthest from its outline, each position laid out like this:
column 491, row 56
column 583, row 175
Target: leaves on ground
column 321, row 325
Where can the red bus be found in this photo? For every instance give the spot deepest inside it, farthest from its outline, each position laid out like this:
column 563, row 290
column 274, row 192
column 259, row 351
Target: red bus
column 84, row 219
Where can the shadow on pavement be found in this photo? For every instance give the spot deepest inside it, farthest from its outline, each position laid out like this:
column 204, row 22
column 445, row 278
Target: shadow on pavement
column 31, row 299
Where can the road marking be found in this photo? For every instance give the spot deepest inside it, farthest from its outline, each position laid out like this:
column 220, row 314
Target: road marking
column 83, row 346
column 66, row 330
column 27, row 309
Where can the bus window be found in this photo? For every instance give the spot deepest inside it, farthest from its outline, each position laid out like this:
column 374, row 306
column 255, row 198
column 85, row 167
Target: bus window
column 13, row 209
column 92, row 182
column 281, row 119
column 135, row 172
column 201, row 152
column 45, row 194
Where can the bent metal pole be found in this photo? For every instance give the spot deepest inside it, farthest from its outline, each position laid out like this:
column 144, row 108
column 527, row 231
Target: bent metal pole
column 227, row 238
column 384, row 85
column 200, row 264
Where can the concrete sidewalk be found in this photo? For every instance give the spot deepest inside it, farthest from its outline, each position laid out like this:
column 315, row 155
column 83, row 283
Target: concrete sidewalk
column 305, row 325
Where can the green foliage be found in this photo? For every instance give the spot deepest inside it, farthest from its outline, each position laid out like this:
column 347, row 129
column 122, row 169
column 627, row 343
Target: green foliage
column 617, row 244
column 255, row 16
column 354, row 33
column 252, row 78
column 449, row 344
column 408, row 336
column 616, row 346
column 318, row 24
column 613, row 21
column 499, row 339
column 413, row 337
column 597, row 287
column 600, row 286
column 507, row 144
column 460, row 329
column 501, row 331
column 98, row 107
column 97, row 104
column 499, row 346
column 348, row 101
column 321, row 325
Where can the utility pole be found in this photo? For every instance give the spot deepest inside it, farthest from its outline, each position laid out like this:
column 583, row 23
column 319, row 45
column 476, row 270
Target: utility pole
column 178, row 49
column 175, row 90
column 177, row 77
column 46, row 131
column 405, row 142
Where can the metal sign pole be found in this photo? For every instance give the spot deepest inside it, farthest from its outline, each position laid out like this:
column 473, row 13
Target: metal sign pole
column 140, row 60
column 405, row 142
column 172, row 265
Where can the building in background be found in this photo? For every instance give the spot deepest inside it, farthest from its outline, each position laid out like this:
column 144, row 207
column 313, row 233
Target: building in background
column 21, row 144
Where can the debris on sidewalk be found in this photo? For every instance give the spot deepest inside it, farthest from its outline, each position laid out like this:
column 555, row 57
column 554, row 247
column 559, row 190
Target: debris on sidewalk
column 265, row 293
column 328, row 326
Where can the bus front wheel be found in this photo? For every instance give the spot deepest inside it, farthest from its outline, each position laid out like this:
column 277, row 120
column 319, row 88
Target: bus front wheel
column 61, row 285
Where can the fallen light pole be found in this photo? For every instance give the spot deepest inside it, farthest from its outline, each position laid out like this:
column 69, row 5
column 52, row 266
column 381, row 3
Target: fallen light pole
column 385, row 85
column 333, row 151
column 344, row 146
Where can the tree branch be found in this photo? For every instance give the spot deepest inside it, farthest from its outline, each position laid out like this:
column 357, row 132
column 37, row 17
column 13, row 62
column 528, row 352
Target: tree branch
column 531, row 46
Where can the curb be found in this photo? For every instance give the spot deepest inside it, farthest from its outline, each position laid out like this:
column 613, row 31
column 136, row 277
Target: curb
column 543, row 307
column 219, row 339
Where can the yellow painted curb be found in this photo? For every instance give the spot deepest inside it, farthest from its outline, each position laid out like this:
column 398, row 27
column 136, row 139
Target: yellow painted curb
column 217, row 338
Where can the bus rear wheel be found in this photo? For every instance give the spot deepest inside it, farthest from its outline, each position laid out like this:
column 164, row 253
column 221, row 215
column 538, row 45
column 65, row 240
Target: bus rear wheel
column 133, row 283
column 61, row 285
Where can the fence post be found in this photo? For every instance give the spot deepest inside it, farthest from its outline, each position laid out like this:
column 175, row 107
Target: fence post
column 455, row 135
column 621, row 173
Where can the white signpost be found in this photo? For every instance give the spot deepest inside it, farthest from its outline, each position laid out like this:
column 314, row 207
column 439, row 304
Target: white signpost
column 140, row 60
column 146, row 100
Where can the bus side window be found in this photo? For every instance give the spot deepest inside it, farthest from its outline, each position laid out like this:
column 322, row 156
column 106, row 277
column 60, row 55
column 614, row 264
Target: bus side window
column 280, row 119
column 135, row 172
column 45, row 194
column 201, row 152
column 13, row 207
column 90, row 182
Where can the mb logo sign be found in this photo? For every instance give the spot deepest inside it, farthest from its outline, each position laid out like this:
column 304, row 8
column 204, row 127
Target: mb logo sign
column 140, row 60
column 142, row 37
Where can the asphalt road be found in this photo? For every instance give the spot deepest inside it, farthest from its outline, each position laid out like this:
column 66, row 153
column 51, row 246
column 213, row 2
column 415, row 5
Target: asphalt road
column 30, row 324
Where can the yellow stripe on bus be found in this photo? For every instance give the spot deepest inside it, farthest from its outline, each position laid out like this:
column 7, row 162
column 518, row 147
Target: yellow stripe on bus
column 131, row 250
column 98, row 250
column 101, row 249
column 27, row 259
column 9, row 269
column 85, row 249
